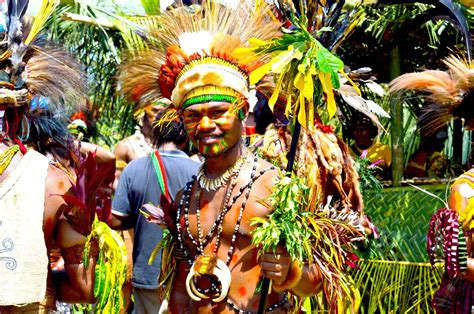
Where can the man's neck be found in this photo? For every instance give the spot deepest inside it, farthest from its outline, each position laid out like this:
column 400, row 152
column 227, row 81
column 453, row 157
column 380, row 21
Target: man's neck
column 168, row 146
column 147, row 133
column 364, row 146
column 215, row 166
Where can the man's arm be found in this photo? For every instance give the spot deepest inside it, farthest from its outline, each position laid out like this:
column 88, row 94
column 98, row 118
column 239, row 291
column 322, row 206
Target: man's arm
column 121, row 160
column 102, row 155
column 121, row 151
column 121, row 222
column 302, row 280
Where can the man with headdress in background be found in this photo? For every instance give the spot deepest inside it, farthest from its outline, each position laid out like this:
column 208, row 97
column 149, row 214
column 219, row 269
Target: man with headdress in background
column 141, row 143
column 31, row 206
column 138, row 145
column 365, row 143
column 41, row 207
column 141, row 184
column 450, row 236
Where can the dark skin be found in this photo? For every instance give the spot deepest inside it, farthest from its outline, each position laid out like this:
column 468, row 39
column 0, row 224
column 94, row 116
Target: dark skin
column 77, row 286
column 208, row 125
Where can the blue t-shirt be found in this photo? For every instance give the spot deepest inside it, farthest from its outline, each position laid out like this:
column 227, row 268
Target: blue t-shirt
column 138, row 185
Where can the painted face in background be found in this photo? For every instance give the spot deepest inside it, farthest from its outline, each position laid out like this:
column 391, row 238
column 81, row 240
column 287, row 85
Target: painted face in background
column 213, row 127
column 152, row 110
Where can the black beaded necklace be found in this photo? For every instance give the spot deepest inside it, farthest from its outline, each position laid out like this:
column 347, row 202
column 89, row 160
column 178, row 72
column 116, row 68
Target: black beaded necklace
column 185, row 200
column 218, row 224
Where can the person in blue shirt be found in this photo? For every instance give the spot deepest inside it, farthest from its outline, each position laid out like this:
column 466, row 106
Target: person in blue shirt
column 139, row 185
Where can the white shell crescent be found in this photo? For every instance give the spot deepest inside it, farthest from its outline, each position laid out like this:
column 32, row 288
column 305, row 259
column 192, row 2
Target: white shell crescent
column 188, row 287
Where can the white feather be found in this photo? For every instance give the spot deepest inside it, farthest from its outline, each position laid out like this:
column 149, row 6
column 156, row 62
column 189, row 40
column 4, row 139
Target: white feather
column 375, row 108
column 196, row 42
column 375, row 88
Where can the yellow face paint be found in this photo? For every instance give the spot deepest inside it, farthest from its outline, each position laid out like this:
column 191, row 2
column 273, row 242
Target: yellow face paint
column 213, row 127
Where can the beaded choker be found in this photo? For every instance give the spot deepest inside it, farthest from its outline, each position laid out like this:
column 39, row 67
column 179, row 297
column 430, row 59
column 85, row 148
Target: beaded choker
column 216, row 183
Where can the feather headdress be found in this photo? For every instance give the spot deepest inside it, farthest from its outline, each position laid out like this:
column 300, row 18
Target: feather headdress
column 194, row 61
column 450, row 93
column 29, row 67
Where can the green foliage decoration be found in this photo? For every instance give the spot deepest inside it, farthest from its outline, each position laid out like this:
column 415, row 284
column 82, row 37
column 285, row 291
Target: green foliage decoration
column 318, row 236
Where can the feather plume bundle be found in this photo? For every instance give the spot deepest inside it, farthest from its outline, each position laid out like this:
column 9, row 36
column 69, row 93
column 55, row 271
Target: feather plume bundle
column 448, row 92
column 54, row 74
column 208, row 33
column 36, row 65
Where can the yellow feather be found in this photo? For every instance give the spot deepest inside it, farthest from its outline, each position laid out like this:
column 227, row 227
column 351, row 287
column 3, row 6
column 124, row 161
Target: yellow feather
column 47, row 7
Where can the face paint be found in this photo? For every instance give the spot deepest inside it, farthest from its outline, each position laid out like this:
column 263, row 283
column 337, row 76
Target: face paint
column 213, row 127
column 152, row 110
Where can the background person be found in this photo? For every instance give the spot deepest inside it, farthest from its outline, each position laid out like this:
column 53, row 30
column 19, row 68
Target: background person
column 364, row 134
column 138, row 185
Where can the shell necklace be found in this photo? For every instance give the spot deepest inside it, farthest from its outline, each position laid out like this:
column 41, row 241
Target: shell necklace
column 209, row 184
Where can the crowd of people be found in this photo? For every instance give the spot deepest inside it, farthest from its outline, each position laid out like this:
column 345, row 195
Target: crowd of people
column 188, row 223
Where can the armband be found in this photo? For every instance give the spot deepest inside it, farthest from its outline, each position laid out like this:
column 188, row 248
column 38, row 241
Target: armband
column 74, row 254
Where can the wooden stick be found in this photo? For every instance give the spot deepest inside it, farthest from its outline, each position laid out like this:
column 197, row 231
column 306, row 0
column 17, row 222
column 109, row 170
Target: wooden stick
column 289, row 168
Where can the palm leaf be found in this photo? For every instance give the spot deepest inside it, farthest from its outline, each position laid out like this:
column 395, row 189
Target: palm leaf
column 396, row 287
column 152, row 7
column 443, row 9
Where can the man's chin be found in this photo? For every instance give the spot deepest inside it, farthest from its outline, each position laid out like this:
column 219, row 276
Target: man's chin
column 210, row 153
column 213, row 154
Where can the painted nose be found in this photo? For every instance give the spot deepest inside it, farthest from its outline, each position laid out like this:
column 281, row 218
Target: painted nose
column 206, row 124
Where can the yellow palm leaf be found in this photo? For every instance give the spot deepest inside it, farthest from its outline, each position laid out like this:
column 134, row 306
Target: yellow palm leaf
column 302, row 111
column 325, row 79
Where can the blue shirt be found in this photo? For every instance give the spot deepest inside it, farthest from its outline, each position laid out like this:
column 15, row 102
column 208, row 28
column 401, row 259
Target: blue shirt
column 139, row 185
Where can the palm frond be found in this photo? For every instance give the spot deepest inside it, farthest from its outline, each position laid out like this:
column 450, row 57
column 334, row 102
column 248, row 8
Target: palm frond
column 396, row 287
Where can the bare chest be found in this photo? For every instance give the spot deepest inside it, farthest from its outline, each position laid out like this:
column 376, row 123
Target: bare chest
column 218, row 223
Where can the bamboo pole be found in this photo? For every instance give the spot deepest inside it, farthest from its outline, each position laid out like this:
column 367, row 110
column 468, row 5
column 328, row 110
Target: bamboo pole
column 396, row 129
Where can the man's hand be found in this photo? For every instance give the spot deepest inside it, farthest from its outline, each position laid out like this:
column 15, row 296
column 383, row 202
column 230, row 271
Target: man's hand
column 276, row 266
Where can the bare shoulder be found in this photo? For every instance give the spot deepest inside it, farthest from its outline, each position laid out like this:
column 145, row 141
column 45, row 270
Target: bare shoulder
column 263, row 188
column 57, row 184
column 271, row 175
column 122, row 149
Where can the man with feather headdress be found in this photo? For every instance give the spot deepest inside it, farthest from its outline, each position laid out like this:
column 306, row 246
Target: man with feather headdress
column 217, row 267
column 450, row 236
column 213, row 257
column 38, row 209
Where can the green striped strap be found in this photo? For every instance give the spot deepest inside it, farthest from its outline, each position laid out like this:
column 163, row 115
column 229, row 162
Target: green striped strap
column 160, row 174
